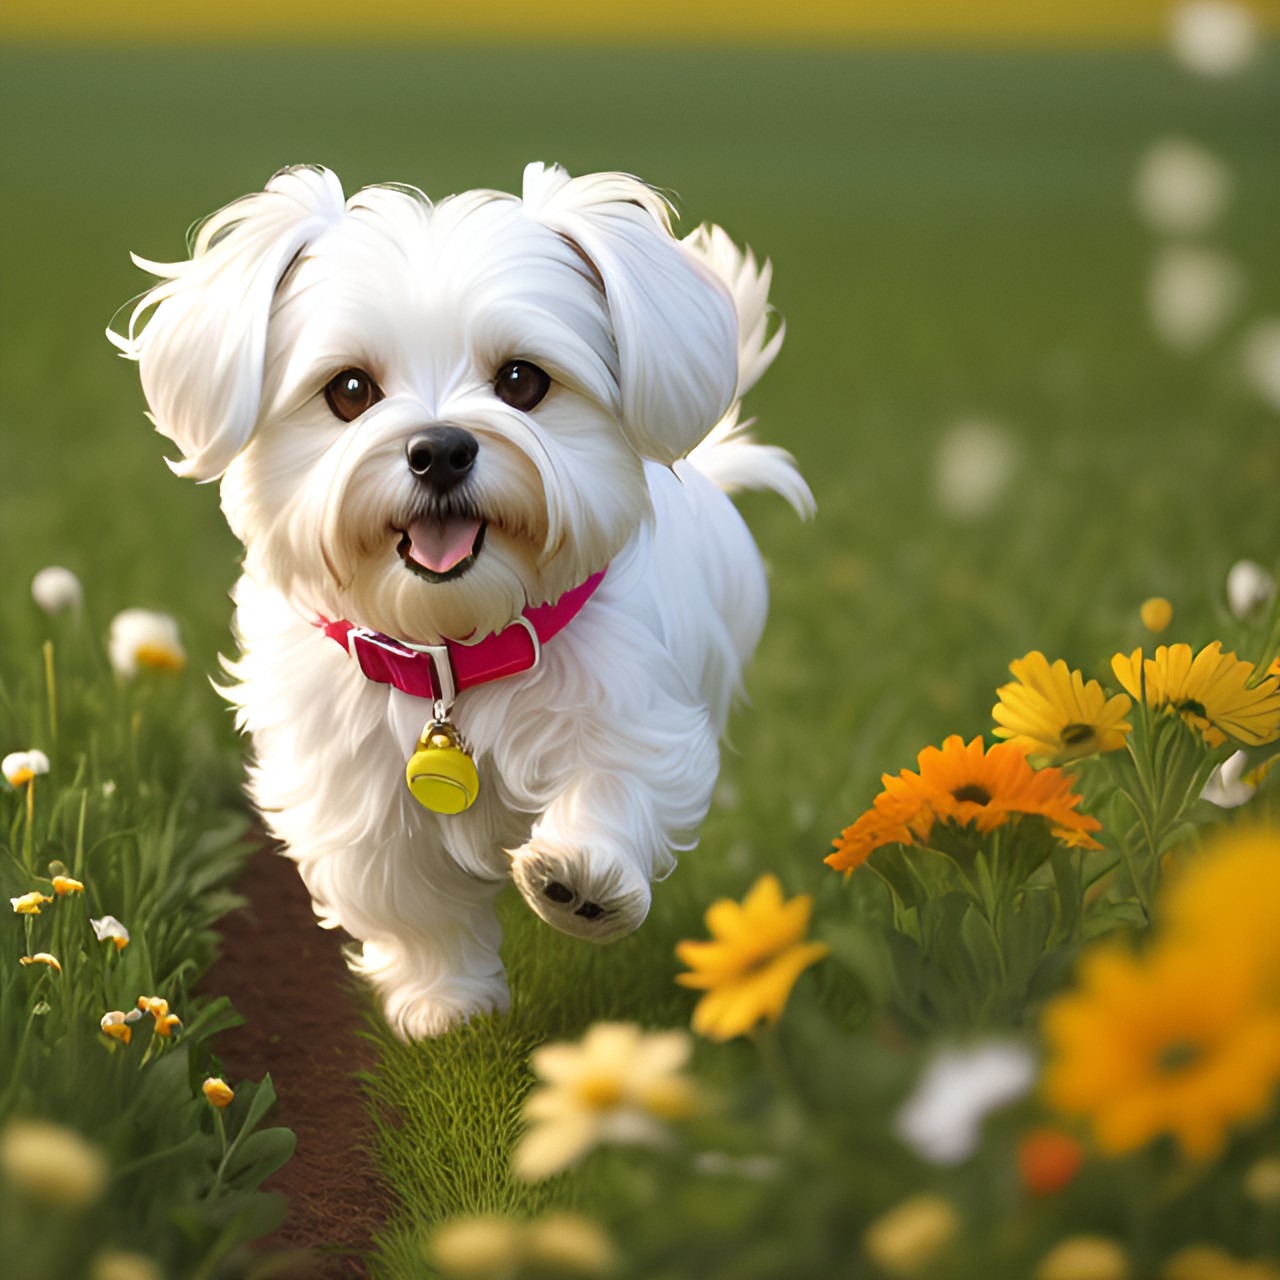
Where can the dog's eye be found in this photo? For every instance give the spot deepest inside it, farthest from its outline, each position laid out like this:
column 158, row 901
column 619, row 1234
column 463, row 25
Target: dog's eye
column 351, row 393
column 521, row 384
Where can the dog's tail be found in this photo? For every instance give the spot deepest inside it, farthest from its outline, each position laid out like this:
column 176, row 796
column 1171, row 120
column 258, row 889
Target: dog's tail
column 729, row 456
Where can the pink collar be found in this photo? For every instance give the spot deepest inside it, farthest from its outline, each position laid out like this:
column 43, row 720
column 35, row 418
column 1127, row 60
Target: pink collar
column 440, row 672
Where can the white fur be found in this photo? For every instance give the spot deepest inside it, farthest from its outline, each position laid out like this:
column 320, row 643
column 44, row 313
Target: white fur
column 599, row 764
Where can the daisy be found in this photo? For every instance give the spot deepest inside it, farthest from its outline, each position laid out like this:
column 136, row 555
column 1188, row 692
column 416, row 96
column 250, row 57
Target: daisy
column 1225, row 900
column 1213, row 692
column 142, row 638
column 57, row 590
column 620, row 1084
column 888, row 821
column 1051, row 712
column 1170, row 1043
column 757, row 954
column 20, row 767
column 964, row 785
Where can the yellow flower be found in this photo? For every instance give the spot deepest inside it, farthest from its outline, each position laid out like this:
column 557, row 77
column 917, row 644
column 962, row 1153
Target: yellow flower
column 1050, row 711
column 119, row 1265
column 1167, row 1044
column 1084, row 1258
column 42, row 957
column 118, row 1025
column 1156, row 614
column 481, row 1246
column 1208, row 1262
column 1261, row 1182
column 1213, row 692
column 109, row 929
column 29, row 903
column 488, row 1245
column 1225, row 902
column 218, row 1092
column 52, row 1164
column 569, row 1244
column 756, row 957
column 618, row 1085
column 909, row 1236
column 20, row 767
column 63, row 885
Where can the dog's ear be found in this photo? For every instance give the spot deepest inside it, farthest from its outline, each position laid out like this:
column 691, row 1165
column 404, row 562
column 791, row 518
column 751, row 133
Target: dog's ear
column 200, row 335
column 673, row 320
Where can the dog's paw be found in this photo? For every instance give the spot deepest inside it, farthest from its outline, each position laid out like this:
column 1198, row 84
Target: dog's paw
column 591, row 893
column 418, row 1007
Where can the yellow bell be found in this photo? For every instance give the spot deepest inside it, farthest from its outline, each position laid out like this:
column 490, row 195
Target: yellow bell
column 441, row 774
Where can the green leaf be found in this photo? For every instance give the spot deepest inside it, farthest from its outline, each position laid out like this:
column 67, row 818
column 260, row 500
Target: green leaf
column 259, row 1156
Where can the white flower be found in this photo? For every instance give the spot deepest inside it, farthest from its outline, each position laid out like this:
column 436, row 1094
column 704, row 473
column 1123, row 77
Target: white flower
column 110, row 929
column 618, row 1085
column 56, row 589
column 1250, row 588
column 1213, row 37
column 972, row 468
column 942, row 1119
column 1226, row 787
column 19, row 767
column 1181, row 188
column 1191, row 294
column 142, row 638
column 1260, row 355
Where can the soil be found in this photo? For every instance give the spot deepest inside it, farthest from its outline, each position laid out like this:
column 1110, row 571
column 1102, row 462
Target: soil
column 305, row 1021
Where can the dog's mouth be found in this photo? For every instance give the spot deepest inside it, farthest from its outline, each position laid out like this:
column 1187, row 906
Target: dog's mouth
column 441, row 548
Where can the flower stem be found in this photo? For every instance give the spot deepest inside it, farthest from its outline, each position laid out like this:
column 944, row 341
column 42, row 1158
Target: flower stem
column 51, row 688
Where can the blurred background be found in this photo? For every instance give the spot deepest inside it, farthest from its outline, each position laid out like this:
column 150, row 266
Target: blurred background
column 1026, row 256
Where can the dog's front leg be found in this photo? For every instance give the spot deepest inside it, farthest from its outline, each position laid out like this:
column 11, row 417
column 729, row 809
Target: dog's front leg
column 638, row 795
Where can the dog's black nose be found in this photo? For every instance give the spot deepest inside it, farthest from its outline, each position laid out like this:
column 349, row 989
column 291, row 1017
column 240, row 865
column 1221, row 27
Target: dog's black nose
column 442, row 456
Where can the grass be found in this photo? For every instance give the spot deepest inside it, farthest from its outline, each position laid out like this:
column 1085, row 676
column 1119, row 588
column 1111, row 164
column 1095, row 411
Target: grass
column 952, row 236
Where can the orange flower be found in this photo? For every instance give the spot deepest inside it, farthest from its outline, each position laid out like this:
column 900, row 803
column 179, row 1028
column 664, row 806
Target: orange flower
column 964, row 785
column 1048, row 1159
column 888, row 821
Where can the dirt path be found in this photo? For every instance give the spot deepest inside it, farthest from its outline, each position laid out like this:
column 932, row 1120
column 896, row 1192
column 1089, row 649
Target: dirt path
column 304, row 1024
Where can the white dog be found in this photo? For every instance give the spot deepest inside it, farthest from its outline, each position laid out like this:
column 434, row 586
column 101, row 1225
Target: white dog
column 477, row 453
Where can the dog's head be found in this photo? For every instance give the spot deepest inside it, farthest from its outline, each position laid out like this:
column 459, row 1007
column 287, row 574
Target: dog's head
column 427, row 416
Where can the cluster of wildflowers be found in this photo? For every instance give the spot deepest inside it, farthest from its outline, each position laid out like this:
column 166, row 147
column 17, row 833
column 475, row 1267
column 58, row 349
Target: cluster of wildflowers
column 97, row 1144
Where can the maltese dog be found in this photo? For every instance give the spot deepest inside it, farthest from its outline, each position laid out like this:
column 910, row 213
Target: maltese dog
column 496, row 602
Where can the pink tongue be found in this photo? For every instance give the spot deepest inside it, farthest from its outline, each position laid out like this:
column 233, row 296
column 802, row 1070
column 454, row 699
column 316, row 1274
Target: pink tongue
column 439, row 545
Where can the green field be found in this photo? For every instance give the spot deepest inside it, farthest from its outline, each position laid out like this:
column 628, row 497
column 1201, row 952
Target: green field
column 952, row 235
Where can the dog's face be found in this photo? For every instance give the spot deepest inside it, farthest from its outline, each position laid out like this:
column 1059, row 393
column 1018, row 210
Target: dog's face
column 428, row 416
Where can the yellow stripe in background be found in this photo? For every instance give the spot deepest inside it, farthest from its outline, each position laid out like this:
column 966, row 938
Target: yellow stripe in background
column 590, row 21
